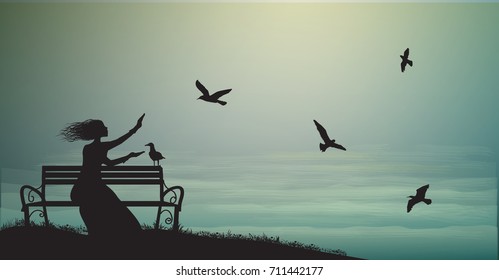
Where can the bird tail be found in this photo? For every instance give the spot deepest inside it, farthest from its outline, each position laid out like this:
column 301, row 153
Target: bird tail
column 221, row 102
column 409, row 62
column 427, row 201
column 322, row 147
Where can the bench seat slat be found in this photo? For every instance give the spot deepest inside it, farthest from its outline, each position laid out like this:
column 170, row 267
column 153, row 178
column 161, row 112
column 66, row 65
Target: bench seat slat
column 72, row 175
column 145, row 203
column 107, row 181
column 132, row 168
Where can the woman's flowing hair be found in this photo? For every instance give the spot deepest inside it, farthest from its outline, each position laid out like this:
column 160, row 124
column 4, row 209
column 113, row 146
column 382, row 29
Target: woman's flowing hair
column 85, row 130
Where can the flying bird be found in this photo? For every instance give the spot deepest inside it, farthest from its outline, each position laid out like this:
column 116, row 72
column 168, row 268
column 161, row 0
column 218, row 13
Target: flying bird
column 214, row 97
column 405, row 60
column 420, row 196
column 154, row 155
column 327, row 141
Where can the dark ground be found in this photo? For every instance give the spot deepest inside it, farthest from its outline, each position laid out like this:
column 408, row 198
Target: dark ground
column 36, row 243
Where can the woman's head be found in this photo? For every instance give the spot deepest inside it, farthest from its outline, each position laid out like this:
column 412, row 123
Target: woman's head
column 85, row 130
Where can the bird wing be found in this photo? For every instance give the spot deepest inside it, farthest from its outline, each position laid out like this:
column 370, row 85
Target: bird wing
column 202, row 88
column 322, row 132
column 155, row 155
column 421, row 192
column 410, row 203
column 338, row 146
column 220, row 93
column 406, row 53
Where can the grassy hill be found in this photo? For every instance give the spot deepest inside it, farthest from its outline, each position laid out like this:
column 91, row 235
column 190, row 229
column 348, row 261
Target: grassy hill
column 37, row 242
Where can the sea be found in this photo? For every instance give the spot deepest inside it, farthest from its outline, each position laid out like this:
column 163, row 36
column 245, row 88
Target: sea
column 355, row 202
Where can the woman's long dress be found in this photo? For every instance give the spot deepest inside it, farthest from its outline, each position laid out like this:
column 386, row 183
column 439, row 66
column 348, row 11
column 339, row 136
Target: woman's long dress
column 101, row 210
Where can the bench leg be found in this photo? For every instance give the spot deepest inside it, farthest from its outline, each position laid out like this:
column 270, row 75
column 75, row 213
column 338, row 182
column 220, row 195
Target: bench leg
column 26, row 216
column 46, row 216
column 175, row 217
column 175, row 220
column 156, row 225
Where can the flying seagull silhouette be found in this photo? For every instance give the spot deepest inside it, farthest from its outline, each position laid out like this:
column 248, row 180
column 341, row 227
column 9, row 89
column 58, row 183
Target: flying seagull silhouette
column 327, row 141
column 420, row 196
column 405, row 60
column 154, row 155
column 214, row 97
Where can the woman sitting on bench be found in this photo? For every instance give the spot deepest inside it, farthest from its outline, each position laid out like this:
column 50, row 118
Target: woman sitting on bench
column 101, row 210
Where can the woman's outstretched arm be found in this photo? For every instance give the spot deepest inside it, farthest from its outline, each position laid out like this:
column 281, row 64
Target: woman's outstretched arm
column 116, row 142
column 120, row 160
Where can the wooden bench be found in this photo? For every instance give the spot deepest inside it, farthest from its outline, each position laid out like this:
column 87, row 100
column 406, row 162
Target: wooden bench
column 169, row 200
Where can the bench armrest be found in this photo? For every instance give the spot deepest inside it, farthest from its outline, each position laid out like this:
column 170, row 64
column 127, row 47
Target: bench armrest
column 29, row 192
column 173, row 195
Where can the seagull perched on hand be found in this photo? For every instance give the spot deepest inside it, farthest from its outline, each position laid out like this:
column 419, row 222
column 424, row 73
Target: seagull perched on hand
column 214, row 97
column 154, row 155
column 405, row 60
column 327, row 141
column 420, row 196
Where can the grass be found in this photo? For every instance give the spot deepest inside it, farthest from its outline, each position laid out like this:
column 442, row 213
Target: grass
column 188, row 232
column 68, row 228
column 264, row 238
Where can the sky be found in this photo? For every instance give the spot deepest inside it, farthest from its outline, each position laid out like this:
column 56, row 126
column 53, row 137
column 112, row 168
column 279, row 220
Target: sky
column 287, row 64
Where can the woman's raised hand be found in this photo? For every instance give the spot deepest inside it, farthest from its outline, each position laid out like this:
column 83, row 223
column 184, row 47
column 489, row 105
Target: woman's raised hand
column 139, row 121
column 138, row 125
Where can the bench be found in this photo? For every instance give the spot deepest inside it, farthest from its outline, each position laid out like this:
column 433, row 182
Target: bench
column 169, row 201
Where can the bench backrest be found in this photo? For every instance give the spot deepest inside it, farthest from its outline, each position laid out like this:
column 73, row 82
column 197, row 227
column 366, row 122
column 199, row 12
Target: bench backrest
column 111, row 175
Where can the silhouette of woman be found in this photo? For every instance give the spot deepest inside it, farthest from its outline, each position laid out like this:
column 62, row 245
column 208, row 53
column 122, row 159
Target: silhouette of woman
column 101, row 210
